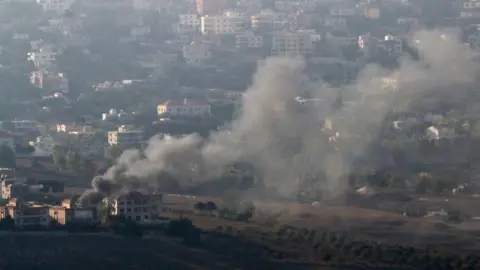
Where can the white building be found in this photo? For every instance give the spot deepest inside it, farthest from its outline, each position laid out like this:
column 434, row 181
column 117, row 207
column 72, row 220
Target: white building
column 228, row 23
column 184, row 108
column 189, row 22
column 58, row 6
column 196, row 53
column 291, row 43
column 436, row 133
column 43, row 146
column 44, row 57
column 249, row 40
column 125, row 137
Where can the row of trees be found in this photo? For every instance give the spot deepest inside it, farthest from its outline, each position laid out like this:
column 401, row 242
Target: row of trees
column 72, row 161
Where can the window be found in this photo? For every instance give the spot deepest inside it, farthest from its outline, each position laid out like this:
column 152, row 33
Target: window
column 146, row 217
column 144, row 209
column 136, row 209
column 138, row 218
column 122, row 210
column 129, row 209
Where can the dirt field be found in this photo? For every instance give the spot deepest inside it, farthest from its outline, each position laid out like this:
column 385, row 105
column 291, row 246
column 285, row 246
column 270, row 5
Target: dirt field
column 45, row 250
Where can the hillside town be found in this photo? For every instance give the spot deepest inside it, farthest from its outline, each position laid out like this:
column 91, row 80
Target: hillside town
column 82, row 81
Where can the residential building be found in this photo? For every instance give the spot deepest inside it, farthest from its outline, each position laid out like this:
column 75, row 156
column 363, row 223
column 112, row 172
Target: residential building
column 263, row 20
column 189, row 108
column 125, row 137
column 228, row 23
column 469, row 9
column 66, row 213
column 342, row 12
column 19, row 128
column 135, row 206
column 42, row 58
column 189, row 22
column 291, row 43
column 50, row 80
column 196, row 53
column 208, row 7
column 26, row 214
column 249, row 40
column 43, row 145
column 440, row 132
column 58, row 6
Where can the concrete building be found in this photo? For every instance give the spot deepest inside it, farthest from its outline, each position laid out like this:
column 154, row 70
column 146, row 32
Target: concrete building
column 291, row 43
column 42, row 58
column 50, row 80
column 43, row 146
column 26, row 214
column 186, row 107
column 248, row 40
column 19, row 128
column 135, row 206
column 196, row 53
column 189, row 22
column 209, row 7
column 228, row 23
column 58, row 6
column 125, row 137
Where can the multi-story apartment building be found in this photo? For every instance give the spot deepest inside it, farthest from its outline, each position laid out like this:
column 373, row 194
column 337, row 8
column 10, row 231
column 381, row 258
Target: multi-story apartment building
column 196, row 53
column 228, row 23
column 43, row 58
column 291, row 43
column 209, row 7
column 135, row 206
column 58, row 6
column 469, row 9
column 25, row 214
column 249, row 40
column 50, row 81
column 186, row 107
column 189, row 22
column 125, row 137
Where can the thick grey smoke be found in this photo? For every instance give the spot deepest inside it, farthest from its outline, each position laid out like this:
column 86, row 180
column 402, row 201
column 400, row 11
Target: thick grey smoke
column 285, row 140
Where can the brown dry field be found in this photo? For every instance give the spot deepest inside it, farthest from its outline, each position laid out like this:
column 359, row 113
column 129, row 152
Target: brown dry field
column 359, row 223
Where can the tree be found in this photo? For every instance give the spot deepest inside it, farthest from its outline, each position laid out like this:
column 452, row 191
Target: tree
column 88, row 168
column 425, row 182
column 58, row 157
column 72, row 161
column 7, row 156
column 112, row 153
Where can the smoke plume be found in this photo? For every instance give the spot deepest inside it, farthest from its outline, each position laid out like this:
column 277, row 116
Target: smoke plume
column 284, row 139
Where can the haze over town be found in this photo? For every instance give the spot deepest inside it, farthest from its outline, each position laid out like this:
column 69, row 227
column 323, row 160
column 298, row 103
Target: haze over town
column 326, row 132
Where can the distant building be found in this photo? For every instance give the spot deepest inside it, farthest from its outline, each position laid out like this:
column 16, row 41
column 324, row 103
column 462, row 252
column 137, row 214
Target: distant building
column 135, row 206
column 43, row 145
column 185, row 107
column 125, row 137
column 291, row 43
column 19, row 128
column 228, row 23
column 211, row 6
column 25, row 214
column 436, row 133
column 196, row 53
column 44, row 57
column 58, row 6
column 188, row 22
column 249, row 40
column 51, row 81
